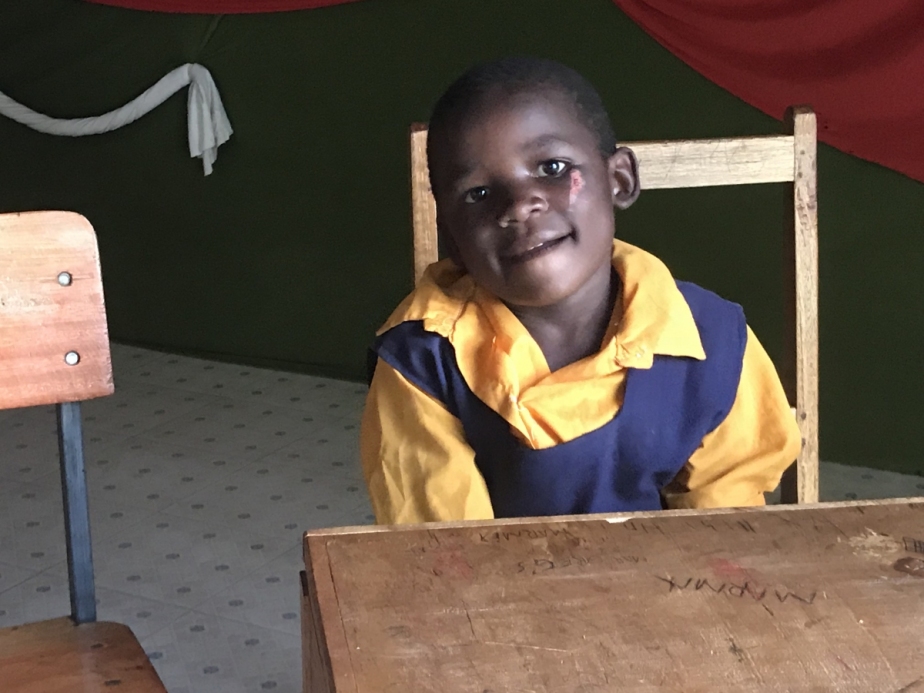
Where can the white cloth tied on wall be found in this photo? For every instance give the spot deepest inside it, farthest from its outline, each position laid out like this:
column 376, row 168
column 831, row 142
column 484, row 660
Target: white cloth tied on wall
column 208, row 123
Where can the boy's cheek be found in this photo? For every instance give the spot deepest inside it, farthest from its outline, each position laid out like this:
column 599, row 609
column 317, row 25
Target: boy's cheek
column 577, row 185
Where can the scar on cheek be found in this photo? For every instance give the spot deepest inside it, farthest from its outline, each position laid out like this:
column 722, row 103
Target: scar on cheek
column 577, row 184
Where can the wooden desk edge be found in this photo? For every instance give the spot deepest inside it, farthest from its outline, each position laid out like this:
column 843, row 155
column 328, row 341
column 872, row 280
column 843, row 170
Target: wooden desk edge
column 602, row 517
column 325, row 638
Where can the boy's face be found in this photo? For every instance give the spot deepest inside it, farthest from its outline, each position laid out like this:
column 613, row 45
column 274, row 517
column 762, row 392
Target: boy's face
column 525, row 198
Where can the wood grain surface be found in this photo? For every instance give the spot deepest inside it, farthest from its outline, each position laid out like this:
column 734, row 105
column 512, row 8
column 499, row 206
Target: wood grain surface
column 42, row 320
column 58, row 657
column 423, row 206
column 668, row 164
column 796, row 598
column 800, row 376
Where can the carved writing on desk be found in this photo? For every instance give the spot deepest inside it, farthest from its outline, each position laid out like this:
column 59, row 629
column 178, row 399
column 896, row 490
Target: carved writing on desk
column 716, row 524
column 537, row 566
column 913, row 545
column 500, row 536
column 730, row 589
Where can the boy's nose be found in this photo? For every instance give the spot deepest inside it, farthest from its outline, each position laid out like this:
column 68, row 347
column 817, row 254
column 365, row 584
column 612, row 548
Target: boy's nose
column 523, row 202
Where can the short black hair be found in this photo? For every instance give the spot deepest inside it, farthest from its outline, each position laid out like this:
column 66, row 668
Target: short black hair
column 514, row 75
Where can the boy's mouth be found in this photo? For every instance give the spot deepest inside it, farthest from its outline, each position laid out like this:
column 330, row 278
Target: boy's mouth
column 521, row 254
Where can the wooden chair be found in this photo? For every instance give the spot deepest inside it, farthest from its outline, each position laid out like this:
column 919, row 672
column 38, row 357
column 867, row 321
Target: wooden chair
column 788, row 158
column 54, row 349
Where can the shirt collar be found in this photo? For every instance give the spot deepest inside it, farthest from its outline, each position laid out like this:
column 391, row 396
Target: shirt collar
column 438, row 300
column 655, row 318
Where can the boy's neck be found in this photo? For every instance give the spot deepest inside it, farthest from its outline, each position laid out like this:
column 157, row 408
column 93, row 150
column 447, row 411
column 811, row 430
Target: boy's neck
column 574, row 328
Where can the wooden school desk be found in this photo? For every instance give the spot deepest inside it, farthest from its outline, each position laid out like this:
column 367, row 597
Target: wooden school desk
column 788, row 598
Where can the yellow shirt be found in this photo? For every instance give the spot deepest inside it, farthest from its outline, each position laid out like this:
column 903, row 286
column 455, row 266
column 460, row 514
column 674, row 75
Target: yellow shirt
column 419, row 467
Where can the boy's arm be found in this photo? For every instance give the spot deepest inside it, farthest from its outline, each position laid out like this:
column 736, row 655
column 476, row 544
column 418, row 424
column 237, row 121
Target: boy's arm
column 748, row 452
column 417, row 464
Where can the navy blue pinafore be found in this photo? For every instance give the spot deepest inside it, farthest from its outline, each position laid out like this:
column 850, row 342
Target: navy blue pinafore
column 621, row 466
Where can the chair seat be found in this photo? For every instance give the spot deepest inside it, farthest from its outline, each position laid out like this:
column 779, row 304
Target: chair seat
column 58, row 656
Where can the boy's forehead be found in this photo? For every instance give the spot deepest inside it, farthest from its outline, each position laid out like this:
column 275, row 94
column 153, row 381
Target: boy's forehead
column 533, row 118
column 549, row 104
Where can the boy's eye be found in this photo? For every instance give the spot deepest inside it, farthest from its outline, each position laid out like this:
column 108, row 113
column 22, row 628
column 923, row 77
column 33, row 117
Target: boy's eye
column 552, row 168
column 476, row 194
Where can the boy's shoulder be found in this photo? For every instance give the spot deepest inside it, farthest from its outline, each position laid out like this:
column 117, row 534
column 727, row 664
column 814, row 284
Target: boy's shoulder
column 438, row 301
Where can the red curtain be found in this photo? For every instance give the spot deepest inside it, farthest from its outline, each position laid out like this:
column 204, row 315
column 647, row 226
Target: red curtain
column 220, row 6
column 858, row 63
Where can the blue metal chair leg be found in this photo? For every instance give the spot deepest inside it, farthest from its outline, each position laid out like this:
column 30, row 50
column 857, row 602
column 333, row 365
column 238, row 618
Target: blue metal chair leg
column 76, row 513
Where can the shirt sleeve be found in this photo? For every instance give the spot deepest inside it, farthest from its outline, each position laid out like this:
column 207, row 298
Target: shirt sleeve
column 417, row 464
column 745, row 456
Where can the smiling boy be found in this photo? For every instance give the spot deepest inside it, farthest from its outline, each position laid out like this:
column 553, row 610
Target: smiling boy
column 545, row 368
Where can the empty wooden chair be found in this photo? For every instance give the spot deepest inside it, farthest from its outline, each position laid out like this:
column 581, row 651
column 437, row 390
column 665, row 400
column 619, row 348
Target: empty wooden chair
column 788, row 158
column 54, row 349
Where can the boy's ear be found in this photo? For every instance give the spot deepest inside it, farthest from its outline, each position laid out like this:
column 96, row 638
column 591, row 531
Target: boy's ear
column 623, row 172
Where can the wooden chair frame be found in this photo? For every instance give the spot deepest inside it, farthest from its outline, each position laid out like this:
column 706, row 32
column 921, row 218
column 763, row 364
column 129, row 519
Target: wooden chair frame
column 54, row 343
column 788, row 158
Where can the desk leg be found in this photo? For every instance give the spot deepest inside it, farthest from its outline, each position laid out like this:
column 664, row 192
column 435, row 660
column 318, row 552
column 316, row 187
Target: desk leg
column 316, row 674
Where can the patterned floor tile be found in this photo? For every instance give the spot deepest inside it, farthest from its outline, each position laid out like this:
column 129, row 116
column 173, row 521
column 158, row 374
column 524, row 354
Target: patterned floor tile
column 281, row 500
column 128, row 359
column 40, row 597
column 182, row 561
column 45, row 596
column 203, row 653
column 138, row 407
column 11, row 575
column 31, row 524
column 241, row 431
column 153, row 474
column 842, row 482
column 268, row 597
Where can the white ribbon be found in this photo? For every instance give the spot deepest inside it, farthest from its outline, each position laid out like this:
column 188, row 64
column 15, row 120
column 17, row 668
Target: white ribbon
column 208, row 123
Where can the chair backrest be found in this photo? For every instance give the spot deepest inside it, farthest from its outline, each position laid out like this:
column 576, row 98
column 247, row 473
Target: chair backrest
column 54, row 345
column 54, row 349
column 788, row 158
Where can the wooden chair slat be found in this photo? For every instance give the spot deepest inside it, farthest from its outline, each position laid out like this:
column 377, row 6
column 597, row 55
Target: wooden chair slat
column 800, row 484
column 42, row 320
column 423, row 206
column 702, row 163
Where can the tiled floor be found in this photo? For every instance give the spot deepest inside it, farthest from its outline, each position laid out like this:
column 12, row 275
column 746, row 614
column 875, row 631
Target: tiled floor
column 202, row 477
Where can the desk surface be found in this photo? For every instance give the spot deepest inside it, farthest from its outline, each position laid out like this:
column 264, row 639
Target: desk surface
column 807, row 598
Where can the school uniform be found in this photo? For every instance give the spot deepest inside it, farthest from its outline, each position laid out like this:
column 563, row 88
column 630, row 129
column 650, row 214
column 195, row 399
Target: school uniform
column 680, row 407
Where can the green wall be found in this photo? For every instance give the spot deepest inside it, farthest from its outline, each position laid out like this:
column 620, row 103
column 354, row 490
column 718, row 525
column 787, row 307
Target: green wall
column 298, row 245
